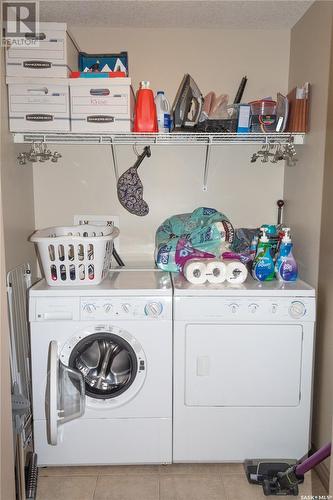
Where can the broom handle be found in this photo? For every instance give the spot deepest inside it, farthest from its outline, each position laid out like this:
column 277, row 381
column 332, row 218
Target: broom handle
column 314, row 460
column 280, row 204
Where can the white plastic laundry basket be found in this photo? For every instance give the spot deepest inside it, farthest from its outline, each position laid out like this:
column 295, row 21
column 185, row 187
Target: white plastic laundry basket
column 75, row 255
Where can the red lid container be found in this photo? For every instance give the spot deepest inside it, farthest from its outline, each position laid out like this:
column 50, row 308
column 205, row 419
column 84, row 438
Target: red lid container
column 263, row 107
column 145, row 116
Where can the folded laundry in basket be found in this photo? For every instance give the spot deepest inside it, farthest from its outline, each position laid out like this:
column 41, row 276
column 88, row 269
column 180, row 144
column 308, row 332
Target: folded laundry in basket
column 205, row 233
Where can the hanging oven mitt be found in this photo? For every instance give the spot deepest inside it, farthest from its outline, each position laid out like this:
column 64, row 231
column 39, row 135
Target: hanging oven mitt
column 130, row 188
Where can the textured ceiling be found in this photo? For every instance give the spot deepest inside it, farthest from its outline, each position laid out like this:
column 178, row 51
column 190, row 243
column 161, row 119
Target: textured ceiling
column 232, row 14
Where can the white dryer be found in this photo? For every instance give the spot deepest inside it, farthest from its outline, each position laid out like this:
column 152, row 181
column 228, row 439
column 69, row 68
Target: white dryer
column 243, row 363
column 102, row 370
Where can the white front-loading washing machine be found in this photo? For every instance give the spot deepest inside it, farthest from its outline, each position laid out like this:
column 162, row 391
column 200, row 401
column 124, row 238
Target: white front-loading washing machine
column 243, row 364
column 102, row 370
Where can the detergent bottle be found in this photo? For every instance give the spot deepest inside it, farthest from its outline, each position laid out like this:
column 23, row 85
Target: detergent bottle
column 145, row 116
column 163, row 112
column 263, row 265
column 272, row 234
column 286, row 265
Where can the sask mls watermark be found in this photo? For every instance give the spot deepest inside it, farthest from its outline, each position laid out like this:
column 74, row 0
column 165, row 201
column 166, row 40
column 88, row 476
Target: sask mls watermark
column 20, row 23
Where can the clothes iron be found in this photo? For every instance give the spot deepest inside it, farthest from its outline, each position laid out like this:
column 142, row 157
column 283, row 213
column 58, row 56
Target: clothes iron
column 187, row 105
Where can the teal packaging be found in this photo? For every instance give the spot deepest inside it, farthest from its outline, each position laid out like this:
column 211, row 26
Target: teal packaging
column 286, row 265
column 273, row 236
column 263, row 265
column 203, row 233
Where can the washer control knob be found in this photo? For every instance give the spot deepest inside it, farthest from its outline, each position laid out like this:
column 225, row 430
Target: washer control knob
column 253, row 308
column 274, row 308
column 234, row 308
column 89, row 308
column 153, row 309
column 107, row 307
column 126, row 308
column 297, row 309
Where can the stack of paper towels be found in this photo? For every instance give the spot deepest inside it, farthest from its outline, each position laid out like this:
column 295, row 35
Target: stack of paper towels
column 198, row 271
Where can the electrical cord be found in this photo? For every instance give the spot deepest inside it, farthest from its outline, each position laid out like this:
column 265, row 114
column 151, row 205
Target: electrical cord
column 117, row 258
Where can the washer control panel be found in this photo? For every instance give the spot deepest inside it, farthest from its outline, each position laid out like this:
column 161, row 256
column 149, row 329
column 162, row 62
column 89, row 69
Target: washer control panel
column 100, row 308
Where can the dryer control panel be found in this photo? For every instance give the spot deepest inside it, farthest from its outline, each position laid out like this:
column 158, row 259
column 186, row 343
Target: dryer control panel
column 106, row 308
column 247, row 309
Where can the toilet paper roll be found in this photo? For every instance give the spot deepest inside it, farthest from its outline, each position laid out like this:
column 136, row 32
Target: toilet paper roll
column 195, row 272
column 216, row 271
column 236, row 272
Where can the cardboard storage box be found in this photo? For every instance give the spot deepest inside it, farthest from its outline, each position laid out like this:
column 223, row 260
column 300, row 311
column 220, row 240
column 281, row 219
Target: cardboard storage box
column 101, row 104
column 48, row 53
column 38, row 105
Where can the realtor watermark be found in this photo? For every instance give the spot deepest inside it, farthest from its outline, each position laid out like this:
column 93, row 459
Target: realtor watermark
column 316, row 497
column 20, row 24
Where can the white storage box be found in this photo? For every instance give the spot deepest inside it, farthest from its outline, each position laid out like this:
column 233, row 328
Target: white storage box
column 75, row 255
column 38, row 104
column 101, row 104
column 53, row 56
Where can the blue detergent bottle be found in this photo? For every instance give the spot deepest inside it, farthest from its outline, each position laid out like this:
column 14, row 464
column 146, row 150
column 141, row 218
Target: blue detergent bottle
column 286, row 265
column 263, row 265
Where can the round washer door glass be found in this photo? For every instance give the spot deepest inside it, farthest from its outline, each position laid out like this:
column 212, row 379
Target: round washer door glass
column 107, row 362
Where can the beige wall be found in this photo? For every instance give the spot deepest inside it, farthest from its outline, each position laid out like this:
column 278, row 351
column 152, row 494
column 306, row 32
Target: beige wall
column 310, row 48
column 84, row 182
column 6, row 440
column 17, row 195
column 7, row 490
column 17, row 222
column 323, row 406
column 308, row 194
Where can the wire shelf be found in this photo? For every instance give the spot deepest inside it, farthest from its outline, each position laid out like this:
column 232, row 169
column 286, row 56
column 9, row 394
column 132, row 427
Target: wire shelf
column 172, row 139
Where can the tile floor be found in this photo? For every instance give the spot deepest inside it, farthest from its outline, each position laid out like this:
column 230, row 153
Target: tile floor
column 156, row 482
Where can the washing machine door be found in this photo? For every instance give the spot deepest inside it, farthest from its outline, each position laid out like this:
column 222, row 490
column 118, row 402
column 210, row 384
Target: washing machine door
column 65, row 394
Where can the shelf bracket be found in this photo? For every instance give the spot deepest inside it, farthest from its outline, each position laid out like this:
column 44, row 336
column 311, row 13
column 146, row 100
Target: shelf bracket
column 207, row 161
column 115, row 160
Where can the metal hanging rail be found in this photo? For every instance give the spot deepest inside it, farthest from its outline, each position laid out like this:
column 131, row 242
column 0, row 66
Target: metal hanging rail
column 172, row 139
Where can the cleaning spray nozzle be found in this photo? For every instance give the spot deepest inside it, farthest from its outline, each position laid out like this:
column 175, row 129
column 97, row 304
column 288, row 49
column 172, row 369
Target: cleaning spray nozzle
column 264, row 238
column 286, row 237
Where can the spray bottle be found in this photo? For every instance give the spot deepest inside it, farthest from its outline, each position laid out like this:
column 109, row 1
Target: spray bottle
column 263, row 265
column 272, row 234
column 286, row 265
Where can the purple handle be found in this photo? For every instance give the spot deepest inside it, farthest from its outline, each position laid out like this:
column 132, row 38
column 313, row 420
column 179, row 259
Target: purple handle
column 314, row 460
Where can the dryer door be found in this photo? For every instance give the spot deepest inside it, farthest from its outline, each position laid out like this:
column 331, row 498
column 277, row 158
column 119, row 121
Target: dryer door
column 65, row 394
column 243, row 365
